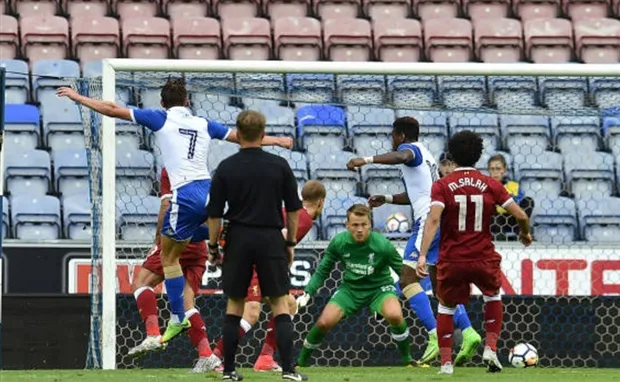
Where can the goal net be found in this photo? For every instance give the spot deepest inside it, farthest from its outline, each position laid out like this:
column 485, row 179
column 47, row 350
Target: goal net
column 550, row 132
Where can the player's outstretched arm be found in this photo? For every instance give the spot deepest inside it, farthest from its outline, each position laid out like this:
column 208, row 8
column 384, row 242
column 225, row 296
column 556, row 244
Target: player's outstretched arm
column 524, row 222
column 106, row 108
column 284, row 142
column 430, row 230
column 378, row 200
column 395, row 157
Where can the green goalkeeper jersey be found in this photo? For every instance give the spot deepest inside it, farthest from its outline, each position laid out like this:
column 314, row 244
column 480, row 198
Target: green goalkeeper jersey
column 366, row 265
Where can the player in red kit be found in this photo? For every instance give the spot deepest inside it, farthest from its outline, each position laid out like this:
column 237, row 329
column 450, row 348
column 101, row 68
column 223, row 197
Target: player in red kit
column 313, row 197
column 464, row 202
column 193, row 263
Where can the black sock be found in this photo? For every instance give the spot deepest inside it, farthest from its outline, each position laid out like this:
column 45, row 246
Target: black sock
column 284, row 339
column 231, row 341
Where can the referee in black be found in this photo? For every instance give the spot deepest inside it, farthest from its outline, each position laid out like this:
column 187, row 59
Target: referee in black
column 255, row 183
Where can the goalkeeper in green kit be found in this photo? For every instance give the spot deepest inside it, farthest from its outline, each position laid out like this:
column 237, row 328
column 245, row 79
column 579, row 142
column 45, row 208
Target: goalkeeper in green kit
column 367, row 282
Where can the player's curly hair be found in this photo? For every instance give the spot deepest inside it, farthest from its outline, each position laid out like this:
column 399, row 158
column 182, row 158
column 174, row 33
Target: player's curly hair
column 174, row 93
column 408, row 126
column 465, row 147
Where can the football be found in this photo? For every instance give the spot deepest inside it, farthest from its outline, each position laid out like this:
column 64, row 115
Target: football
column 523, row 355
column 397, row 222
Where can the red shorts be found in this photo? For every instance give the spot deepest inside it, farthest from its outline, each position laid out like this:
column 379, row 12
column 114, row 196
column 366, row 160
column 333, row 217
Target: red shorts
column 254, row 293
column 454, row 279
column 193, row 267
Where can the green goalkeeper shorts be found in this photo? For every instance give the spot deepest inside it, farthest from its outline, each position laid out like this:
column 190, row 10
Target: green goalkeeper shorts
column 350, row 300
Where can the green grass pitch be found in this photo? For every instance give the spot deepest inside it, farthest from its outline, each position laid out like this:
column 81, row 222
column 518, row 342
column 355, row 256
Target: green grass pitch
column 321, row 374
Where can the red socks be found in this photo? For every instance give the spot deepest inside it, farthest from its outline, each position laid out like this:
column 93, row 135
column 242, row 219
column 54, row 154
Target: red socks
column 493, row 317
column 445, row 329
column 270, row 345
column 219, row 347
column 147, row 306
column 198, row 334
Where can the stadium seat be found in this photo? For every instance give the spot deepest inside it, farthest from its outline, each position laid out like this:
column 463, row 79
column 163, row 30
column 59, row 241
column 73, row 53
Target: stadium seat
column 315, row 88
column 433, row 129
column 599, row 219
column 576, row 133
column 615, row 5
column 268, row 86
column 297, row 39
column 71, row 171
column 330, row 167
column 585, row 9
column 134, row 9
column 246, row 38
column 605, row 91
column 296, row 160
column 563, row 93
column 440, row 9
column 382, row 180
column 536, row 9
column 87, row 9
column 48, row 75
column 21, row 127
column 95, row 38
column 486, row 10
column 4, row 8
column 137, row 217
column 498, row 40
column 335, row 213
column 467, row 92
column 525, row 135
column 27, row 172
column 540, row 175
column 380, row 216
column 93, row 69
column 225, row 114
column 412, row 91
column 548, row 40
column 228, row 9
column 218, row 151
column 44, row 37
column 134, row 173
column 336, row 9
column 386, row 9
column 513, row 93
column 9, row 37
column 6, row 226
column 597, row 40
column 554, row 220
column 196, row 38
column 611, row 130
column 62, row 125
column 361, row 89
column 590, row 174
column 321, row 128
column 448, row 40
column 17, row 82
column 280, row 119
column 397, row 40
column 347, row 40
column 183, row 10
column 146, row 37
column 77, row 216
column 277, row 9
column 371, row 129
column 486, row 125
column 483, row 163
column 26, row 8
column 35, row 217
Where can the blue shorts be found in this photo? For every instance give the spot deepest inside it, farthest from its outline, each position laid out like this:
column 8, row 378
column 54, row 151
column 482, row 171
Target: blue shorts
column 187, row 211
column 412, row 249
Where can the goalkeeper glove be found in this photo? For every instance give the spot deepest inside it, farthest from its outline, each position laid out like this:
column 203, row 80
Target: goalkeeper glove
column 303, row 300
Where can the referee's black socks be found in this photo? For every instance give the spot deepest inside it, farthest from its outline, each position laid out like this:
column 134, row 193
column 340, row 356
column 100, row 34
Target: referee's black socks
column 231, row 340
column 284, row 339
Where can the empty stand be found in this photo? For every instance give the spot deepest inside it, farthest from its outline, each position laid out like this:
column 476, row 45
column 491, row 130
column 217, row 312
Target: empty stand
column 26, row 8
column 246, row 38
column 44, row 37
column 181, row 10
column 361, row 89
column 576, row 133
column 563, row 93
column 540, row 175
column 196, row 38
column 498, row 40
column 71, row 172
column 95, row 38
column 280, row 119
column 387, row 9
column 17, row 81
column 337, row 9
column 226, row 9
column 597, row 40
column 585, row 9
column 331, row 169
column 321, row 128
column 513, row 92
column 27, row 172
column 134, row 173
column 436, row 9
column 371, row 129
column 412, row 91
column 146, row 37
column 77, row 217
column 48, row 75
column 62, row 125
column 21, row 127
column 448, row 40
column 316, row 88
column 35, row 217
column 218, row 151
column 525, row 135
column 382, row 180
column 554, row 220
column 462, row 91
column 277, row 9
column 600, row 219
column 548, row 40
column 486, row 125
column 297, row 39
column 134, row 9
column 485, row 9
column 87, row 9
column 9, row 37
column 347, row 40
column 397, row 39
column 536, row 9
column 590, row 174
column 136, row 217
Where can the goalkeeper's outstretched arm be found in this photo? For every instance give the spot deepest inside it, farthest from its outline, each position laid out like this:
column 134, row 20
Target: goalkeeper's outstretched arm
column 106, row 108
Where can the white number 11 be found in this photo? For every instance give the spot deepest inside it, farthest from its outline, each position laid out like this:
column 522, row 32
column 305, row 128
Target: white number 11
column 478, row 202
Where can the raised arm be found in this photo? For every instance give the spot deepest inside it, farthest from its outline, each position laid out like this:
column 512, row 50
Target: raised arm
column 284, row 142
column 378, row 200
column 395, row 157
column 106, row 108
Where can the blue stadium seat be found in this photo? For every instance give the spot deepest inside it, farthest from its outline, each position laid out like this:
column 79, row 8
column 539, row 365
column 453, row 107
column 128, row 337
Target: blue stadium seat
column 27, row 172
column 93, row 69
column 129, row 136
column 363, row 90
column 218, row 151
column 296, row 160
column 412, row 91
column 260, row 85
column 331, row 169
column 280, row 119
column 6, row 227
column 554, row 220
column 21, row 126
column 382, row 180
column 611, row 131
column 380, row 216
column 48, row 75
column 371, row 129
column 605, row 91
column 525, row 134
column 590, row 174
column 77, row 216
column 316, row 88
column 134, row 173
column 513, row 92
column 62, row 125
column 563, row 93
column 71, row 171
column 576, row 133
column 433, row 128
column 483, row 163
column 35, row 217
column 136, row 217
column 540, row 175
column 467, row 92
column 487, row 125
column 321, row 128
column 599, row 219
column 17, row 82
column 335, row 213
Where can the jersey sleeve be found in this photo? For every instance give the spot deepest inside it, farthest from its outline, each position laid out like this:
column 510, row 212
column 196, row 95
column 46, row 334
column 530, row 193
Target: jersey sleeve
column 417, row 154
column 438, row 196
column 164, row 185
column 330, row 256
column 305, row 223
column 500, row 194
column 153, row 120
column 217, row 131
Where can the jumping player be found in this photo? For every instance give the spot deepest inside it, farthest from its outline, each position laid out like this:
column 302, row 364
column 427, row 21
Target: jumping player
column 193, row 262
column 464, row 203
column 419, row 171
column 313, row 196
column 184, row 141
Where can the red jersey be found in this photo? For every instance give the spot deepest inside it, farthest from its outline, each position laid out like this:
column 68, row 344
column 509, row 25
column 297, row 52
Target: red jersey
column 192, row 250
column 304, row 223
column 469, row 199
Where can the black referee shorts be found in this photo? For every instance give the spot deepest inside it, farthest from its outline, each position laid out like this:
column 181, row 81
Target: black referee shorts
column 249, row 247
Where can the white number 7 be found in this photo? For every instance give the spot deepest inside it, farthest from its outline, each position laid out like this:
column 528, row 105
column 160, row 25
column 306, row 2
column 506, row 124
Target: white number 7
column 478, row 202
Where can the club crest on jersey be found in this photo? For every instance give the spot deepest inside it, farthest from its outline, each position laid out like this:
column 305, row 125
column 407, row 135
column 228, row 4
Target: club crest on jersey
column 371, row 258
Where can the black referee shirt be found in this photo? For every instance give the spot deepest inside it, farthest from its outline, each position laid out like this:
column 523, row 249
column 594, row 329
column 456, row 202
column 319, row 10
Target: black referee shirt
column 254, row 183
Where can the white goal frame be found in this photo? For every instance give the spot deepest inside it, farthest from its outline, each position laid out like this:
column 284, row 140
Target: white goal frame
column 111, row 66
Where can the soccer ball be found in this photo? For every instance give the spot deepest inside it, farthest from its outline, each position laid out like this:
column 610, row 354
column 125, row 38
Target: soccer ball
column 523, row 355
column 397, row 222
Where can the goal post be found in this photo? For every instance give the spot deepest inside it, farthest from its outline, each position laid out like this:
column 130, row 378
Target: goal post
column 106, row 340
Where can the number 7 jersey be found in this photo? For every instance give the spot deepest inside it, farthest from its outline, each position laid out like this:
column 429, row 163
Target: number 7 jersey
column 469, row 199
